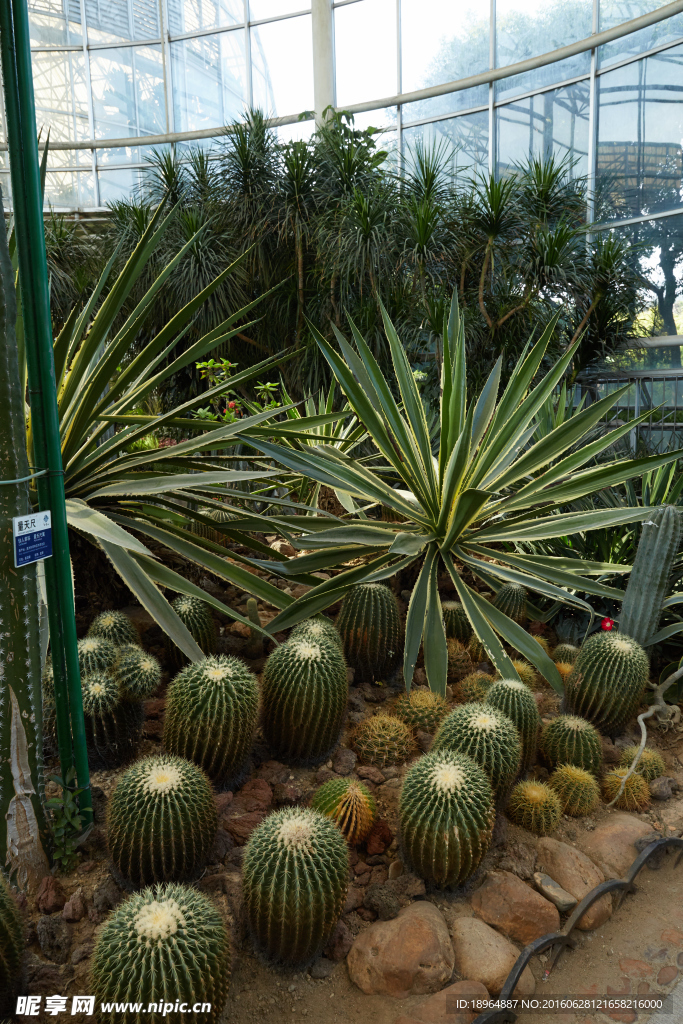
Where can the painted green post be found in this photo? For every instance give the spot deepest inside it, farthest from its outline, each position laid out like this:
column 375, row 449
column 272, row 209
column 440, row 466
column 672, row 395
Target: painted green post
column 27, row 202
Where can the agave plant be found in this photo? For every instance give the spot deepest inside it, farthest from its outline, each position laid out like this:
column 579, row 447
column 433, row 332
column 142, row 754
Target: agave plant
column 488, row 485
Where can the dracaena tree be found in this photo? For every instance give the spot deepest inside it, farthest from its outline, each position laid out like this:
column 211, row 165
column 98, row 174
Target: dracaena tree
column 463, row 502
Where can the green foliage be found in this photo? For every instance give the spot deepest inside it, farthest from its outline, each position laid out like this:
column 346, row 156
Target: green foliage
column 166, row 944
column 67, row 823
column 456, row 623
column 305, row 692
column 569, row 739
column 382, row 740
column 566, row 654
column 535, row 807
column 196, row 616
column 115, row 627
column 350, row 805
column 608, row 680
column 137, row 673
column 516, row 700
column 487, row 736
column 511, row 600
column 636, row 794
column 211, row 713
column 446, row 817
column 11, row 946
column 576, row 788
column 161, row 820
column 649, row 580
column 650, row 763
column 421, row 709
column 113, row 727
column 370, row 627
column 294, row 881
column 95, row 654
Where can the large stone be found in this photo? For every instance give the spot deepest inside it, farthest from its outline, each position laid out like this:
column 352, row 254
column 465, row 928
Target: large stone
column 516, row 910
column 575, row 872
column 50, row 896
column 559, row 897
column 411, row 955
column 452, row 1005
column 611, row 847
column 483, row 955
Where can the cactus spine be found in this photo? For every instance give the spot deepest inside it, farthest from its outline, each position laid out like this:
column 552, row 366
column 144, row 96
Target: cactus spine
column 112, row 727
column 568, row 739
column 211, row 713
column 11, row 946
column 516, row 701
column 161, row 820
column 566, row 654
column 166, row 944
column 459, row 662
column 577, row 789
column 609, row 677
column 446, row 817
column 21, row 784
column 650, row 763
column 487, row 736
column 657, row 548
column 350, row 805
column 473, row 687
column 95, row 654
column 511, row 601
column 305, row 691
column 115, row 627
column 382, row 740
column 535, row 807
column 318, row 628
column 137, row 673
column 370, row 627
column 294, row 882
column 458, row 626
column 196, row 615
column 636, row 794
column 421, row 709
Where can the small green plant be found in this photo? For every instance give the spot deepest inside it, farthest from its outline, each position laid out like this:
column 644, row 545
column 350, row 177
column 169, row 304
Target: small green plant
column 421, row 709
column 516, row 700
column 456, row 623
column 67, row 824
column 511, row 600
column 459, row 662
column 473, row 687
column 565, row 654
column 196, row 616
column 636, row 792
column 137, row 673
column 95, row 654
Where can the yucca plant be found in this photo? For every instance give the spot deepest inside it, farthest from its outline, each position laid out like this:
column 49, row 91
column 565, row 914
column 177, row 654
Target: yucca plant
column 485, row 485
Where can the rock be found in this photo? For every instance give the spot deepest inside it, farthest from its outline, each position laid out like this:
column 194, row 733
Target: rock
column 575, row 872
column 662, row 788
column 75, row 909
column 564, row 901
column 340, row 942
column 366, row 771
column 255, row 795
column 514, row 908
column 610, row 753
column 285, row 794
column 222, row 801
column 354, row 899
column 482, row 955
column 379, row 875
column 424, row 740
column 81, row 953
column 54, row 937
column 383, row 900
column 45, row 978
column 344, row 761
column 517, row 858
column 283, row 546
column 452, row 1005
column 395, row 869
column 321, row 968
column 324, row 775
column 241, row 826
column 411, row 955
column 106, row 895
column 222, row 845
column 610, row 845
column 50, row 896
column 380, row 838
column 408, row 886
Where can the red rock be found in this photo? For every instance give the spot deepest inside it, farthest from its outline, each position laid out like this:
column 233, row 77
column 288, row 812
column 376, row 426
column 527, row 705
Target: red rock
column 340, row 942
column 623, row 991
column 240, row 828
column 636, row 968
column 360, row 867
column 514, row 909
column 366, row 771
column 363, row 879
column 256, row 795
column 576, row 873
column 75, row 909
column 409, row 955
column 483, row 955
column 222, row 802
column 453, row 1004
column 284, row 794
column 625, row 1016
column 50, row 896
column 380, row 838
column 354, row 899
column 367, row 914
column 611, row 845
column 378, row 875
column 666, row 975
column 643, row 988
column 673, row 936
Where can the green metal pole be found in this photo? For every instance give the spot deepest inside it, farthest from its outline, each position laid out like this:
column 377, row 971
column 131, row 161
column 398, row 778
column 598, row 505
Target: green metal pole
column 27, row 201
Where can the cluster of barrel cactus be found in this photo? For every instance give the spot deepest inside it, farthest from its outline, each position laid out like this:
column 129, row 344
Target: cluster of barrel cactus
column 650, row 763
column 636, row 792
column 577, row 789
column 488, row 737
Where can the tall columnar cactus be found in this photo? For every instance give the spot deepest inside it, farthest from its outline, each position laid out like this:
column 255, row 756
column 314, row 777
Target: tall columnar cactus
column 116, row 627
column 458, row 626
column 534, row 806
column 196, row 615
column 487, row 736
column 294, row 882
column 647, row 585
column 137, row 673
column 11, row 947
column 516, row 700
column 166, row 945
column 382, row 740
column 318, row 628
column 370, row 627
column 305, row 692
column 511, row 600
column 161, row 820
column 608, row 681
column 22, row 820
column 350, row 805
column 211, row 714
column 446, row 817
column 95, row 654
column 569, row 739
column 113, row 727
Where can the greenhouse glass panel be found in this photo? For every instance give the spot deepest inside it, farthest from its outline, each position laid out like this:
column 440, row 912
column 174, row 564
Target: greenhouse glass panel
column 61, row 95
column 276, row 49
column 110, row 21
column 260, row 10
column 55, row 22
column 527, row 28
column 554, row 122
column 209, row 80
column 614, row 12
column 127, row 91
column 640, row 128
column 365, row 51
column 117, row 184
column 199, row 15
column 70, row 188
column 464, row 142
